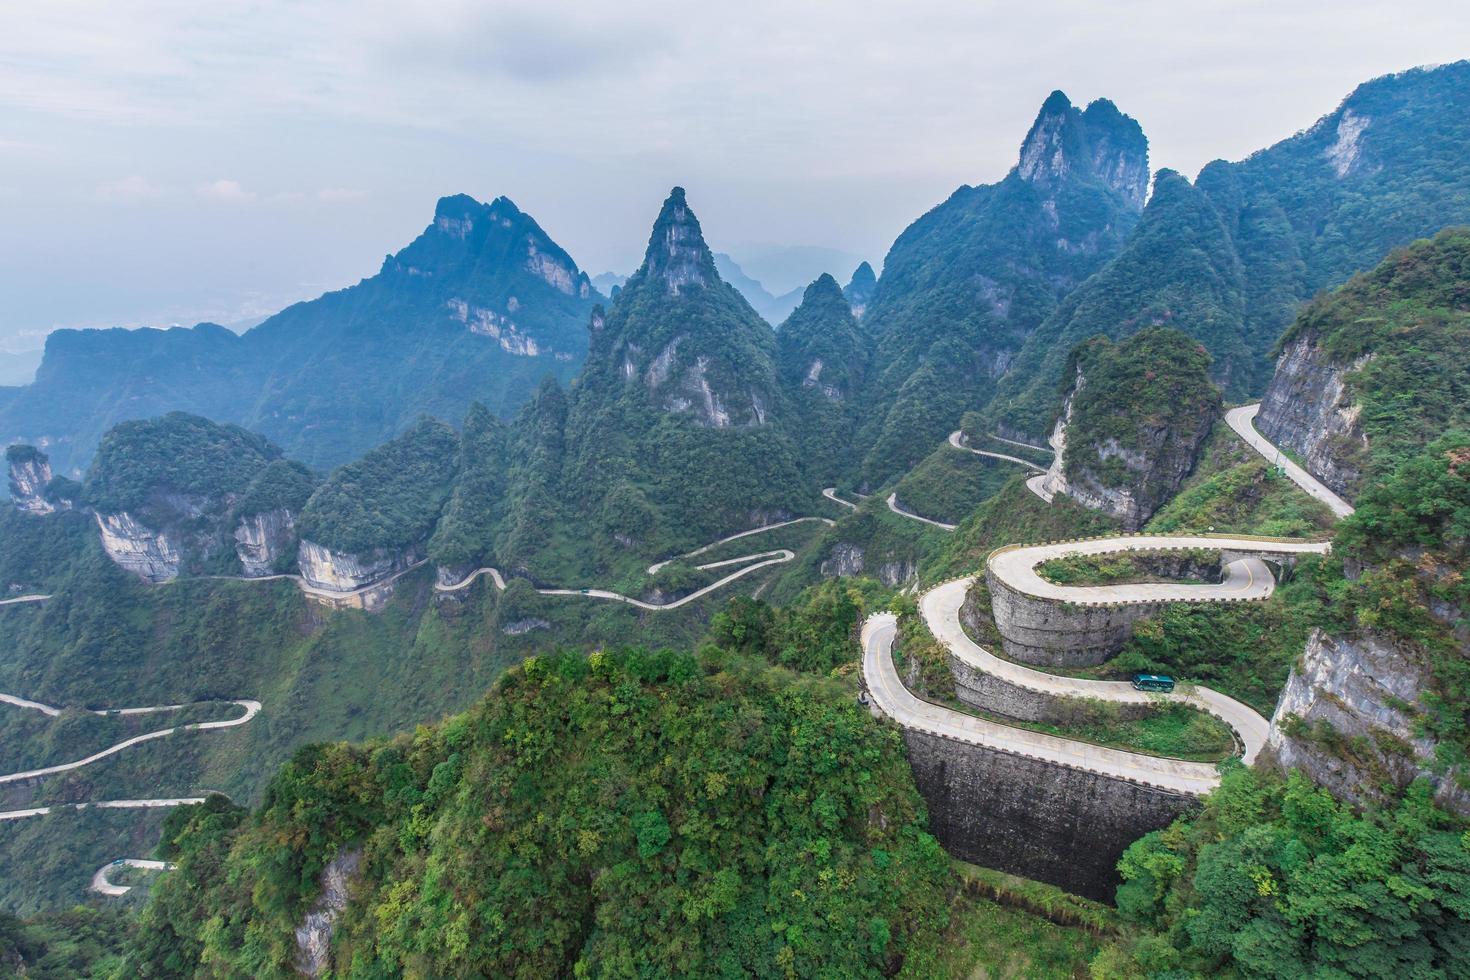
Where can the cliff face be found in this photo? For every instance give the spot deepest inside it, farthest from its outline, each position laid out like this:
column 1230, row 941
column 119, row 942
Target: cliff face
column 1308, row 409
column 1132, row 425
column 1347, row 717
column 29, row 475
column 153, row 555
column 344, row 572
column 263, row 541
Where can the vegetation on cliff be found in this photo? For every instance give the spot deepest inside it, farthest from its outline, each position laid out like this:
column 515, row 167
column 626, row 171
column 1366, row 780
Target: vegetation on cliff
column 1178, row 269
column 965, row 284
column 390, row 498
column 176, row 454
column 1276, row 879
column 696, row 817
column 1409, row 318
column 1140, row 412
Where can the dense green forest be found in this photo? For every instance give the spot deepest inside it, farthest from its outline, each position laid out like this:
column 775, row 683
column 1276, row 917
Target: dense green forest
column 627, row 813
column 1273, row 878
column 178, row 453
column 390, row 498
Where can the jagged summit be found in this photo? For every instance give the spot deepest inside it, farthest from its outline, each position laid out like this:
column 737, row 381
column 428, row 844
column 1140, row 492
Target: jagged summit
column 676, row 250
column 1101, row 143
column 859, row 290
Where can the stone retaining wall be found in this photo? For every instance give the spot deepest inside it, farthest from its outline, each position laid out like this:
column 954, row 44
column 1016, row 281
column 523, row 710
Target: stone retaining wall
column 1034, row 818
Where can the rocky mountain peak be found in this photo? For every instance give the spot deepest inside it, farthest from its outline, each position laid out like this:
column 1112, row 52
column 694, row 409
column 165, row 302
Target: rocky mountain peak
column 1099, row 144
column 859, row 291
column 676, row 250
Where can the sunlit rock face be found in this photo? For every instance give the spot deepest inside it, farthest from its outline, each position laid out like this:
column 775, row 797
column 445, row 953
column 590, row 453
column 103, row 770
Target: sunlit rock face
column 341, row 571
column 30, row 473
column 1308, row 409
column 1348, row 717
column 152, row 555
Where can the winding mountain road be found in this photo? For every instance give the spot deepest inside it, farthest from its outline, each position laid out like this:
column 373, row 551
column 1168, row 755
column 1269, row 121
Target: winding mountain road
column 1242, row 420
column 759, row 560
column 252, row 708
column 831, row 494
column 957, row 440
column 893, row 506
column 103, row 886
column 893, row 699
column 41, row 811
column 1247, row 578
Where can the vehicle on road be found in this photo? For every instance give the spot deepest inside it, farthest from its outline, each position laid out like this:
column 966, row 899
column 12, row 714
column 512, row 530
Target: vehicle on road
column 1153, row 682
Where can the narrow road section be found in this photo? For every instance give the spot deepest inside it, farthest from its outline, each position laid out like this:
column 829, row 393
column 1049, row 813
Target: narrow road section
column 893, row 505
column 940, row 607
column 1242, row 420
column 41, row 811
column 895, row 700
column 1246, row 578
column 103, row 886
column 252, row 708
column 957, row 440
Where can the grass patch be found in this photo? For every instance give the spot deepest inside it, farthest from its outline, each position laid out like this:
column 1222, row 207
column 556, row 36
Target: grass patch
column 950, row 483
column 1233, row 490
column 1003, row 926
column 1124, row 568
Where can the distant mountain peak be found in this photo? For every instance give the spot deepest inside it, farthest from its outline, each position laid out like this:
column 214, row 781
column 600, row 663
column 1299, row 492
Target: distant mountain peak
column 859, row 291
column 1101, row 143
column 677, row 253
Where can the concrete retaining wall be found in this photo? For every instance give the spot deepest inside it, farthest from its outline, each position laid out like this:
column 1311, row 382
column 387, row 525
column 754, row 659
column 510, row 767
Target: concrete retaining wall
column 1045, row 821
column 1047, row 633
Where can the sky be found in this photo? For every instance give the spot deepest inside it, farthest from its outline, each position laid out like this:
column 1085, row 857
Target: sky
column 170, row 161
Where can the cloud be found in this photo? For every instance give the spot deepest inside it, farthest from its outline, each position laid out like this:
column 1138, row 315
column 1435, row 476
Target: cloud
column 335, row 194
column 128, row 190
column 227, row 191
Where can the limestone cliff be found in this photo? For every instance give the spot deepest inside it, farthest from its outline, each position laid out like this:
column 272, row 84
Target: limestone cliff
column 1348, row 717
column 1309, row 409
column 30, row 474
column 314, row 935
column 1132, row 425
column 153, row 555
column 263, row 541
column 340, row 571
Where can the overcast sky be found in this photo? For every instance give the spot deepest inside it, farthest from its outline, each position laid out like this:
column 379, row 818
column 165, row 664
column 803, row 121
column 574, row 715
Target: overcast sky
column 170, row 160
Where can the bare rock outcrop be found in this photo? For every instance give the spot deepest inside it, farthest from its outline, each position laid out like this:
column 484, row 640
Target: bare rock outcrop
column 341, row 571
column 153, row 555
column 1348, row 718
column 263, row 541
column 314, row 935
column 1309, row 409
column 30, row 474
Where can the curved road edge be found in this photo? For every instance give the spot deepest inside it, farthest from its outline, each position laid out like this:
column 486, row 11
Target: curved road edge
column 103, row 886
column 252, row 708
column 1242, row 420
column 893, row 699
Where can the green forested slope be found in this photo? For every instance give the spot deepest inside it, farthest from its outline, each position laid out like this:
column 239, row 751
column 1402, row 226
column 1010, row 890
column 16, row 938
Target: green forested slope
column 625, row 813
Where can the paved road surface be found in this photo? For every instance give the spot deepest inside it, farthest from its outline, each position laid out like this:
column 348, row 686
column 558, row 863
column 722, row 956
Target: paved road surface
column 831, row 494
column 893, row 506
column 24, row 598
column 957, row 440
column 1024, row 445
column 896, row 701
column 940, row 608
column 103, row 886
column 41, row 811
column 252, row 708
column 1246, row 578
column 653, row 569
column 1037, row 485
column 1242, row 420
